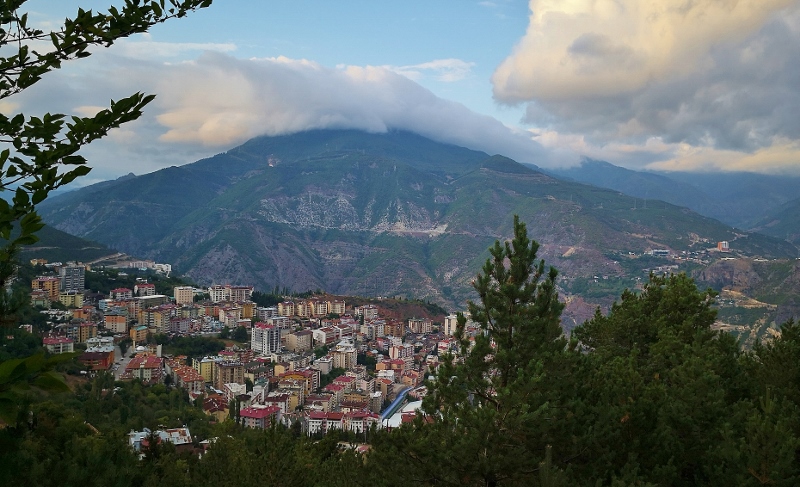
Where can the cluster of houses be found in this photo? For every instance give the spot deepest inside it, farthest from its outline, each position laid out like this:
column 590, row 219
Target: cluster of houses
column 302, row 364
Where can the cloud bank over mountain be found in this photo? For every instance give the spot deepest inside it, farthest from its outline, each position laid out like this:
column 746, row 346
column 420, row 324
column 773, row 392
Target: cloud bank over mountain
column 219, row 100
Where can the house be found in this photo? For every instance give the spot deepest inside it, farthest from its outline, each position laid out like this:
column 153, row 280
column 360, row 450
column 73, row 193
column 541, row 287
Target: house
column 180, row 437
column 147, row 368
column 57, row 345
column 216, row 405
column 361, row 421
column 259, row 416
column 189, row 379
column 96, row 360
column 121, row 293
column 300, row 341
column 322, row 422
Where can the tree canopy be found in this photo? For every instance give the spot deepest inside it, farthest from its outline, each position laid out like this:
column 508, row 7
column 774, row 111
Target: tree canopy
column 42, row 151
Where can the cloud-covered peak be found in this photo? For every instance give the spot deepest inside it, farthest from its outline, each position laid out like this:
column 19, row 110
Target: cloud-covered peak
column 219, row 100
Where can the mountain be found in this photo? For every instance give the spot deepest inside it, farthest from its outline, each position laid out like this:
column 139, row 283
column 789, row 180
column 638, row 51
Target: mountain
column 739, row 199
column 783, row 222
column 57, row 246
column 376, row 214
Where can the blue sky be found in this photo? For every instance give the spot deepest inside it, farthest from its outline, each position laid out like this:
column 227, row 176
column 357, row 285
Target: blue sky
column 707, row 85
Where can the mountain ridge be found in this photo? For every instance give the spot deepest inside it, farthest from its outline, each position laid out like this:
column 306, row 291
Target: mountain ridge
column 387, row 214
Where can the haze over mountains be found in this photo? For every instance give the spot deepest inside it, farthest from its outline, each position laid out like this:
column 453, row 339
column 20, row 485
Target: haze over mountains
column 740, row 199
column 376, row 214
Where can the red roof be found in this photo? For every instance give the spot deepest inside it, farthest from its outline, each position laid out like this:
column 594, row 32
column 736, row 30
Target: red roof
column 144, row 361
column 259, row 413
column 214, row 403
column 56, row 340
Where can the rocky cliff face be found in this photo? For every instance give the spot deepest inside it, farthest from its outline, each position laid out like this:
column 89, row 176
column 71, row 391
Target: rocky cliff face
column 371, row 214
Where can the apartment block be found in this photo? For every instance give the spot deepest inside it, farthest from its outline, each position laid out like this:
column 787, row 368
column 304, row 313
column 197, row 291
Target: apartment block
column 183, row 295
column 265, row 338
column 73, row 277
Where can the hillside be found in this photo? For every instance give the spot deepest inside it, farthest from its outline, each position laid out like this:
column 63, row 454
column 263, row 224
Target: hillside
column 756, row 295
column 57, row 246
column 738, row 199
column 783, row 222
column 390, row 214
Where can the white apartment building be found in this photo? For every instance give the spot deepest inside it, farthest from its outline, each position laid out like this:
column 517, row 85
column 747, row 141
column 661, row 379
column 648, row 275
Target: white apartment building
column 265, row 339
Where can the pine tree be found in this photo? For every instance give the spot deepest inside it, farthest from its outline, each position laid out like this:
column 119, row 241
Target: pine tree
column 492, row 409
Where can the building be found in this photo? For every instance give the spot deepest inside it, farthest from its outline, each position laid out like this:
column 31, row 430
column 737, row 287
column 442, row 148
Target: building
column 369, row 311
column 51, row 285
column 145, row 302
column 189, row 379
column 420, row 325
column 226, row 372
column 97, row 360
column 121, row 293
column 723, row 246
column 324, row 364
column 336, row 307
column 265, row 339
column 145, row 289
column 80, row 331
column 180, row 437
column 259, row 416
column 230, row 293
column 216, row 406
column 183, row 294
column 300, row 341
column 344, row 355
column 324, row 336
column 320, row 422
column 72, row 277
column 240, row 294
column 56, row 345
column 139, row 333
column 71, row 299
column 318, row 308
column 403, row 352
column 147, row 368
column 40, row 298
column 261, row 313
column 116, row 322
column 286, row 308
column 205, row 367
column 450, row 325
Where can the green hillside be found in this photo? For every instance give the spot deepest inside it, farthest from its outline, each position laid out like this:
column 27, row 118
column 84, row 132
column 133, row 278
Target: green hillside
column 783, row 223
column 57, row 246
column 376, row 214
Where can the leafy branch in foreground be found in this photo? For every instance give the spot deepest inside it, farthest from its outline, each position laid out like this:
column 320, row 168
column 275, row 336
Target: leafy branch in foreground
column 42, row 151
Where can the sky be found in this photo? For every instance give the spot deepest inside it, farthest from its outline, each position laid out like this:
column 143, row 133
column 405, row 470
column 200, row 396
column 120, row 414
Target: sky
column 694, row 85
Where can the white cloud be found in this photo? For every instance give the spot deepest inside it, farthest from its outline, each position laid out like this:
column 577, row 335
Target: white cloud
column 611, row 76
column 447, row 70
column 148, row 49
column 587, row 48
column 219, row 100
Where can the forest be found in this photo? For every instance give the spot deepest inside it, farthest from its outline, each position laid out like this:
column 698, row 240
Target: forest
column 647, row 394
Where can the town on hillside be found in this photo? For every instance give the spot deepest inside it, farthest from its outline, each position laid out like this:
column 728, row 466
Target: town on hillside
column 317, row 363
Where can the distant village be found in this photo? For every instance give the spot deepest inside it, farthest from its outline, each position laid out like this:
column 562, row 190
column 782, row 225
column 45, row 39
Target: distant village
column 316, row 363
